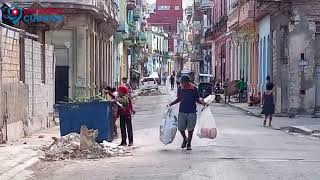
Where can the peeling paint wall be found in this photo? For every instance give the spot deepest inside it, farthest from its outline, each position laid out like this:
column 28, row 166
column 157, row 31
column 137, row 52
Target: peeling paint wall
column 301, row 86
column 295, row 85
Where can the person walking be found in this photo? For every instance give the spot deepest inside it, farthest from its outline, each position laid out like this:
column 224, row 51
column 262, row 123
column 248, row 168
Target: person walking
column 125, row 112
column 268, row 107
column 164, row 79
column 188, row 96
column 268, row 78
column 172, row 82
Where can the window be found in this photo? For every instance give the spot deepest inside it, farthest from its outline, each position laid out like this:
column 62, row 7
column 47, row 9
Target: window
column 318, row 27
column 177, row 8
column 163, row 8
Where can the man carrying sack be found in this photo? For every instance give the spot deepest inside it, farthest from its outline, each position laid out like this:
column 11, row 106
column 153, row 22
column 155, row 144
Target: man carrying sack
column 188, row 96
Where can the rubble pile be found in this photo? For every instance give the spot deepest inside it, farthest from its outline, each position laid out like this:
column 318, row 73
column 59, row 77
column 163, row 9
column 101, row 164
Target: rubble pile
column 68, row 147
column 151, row 93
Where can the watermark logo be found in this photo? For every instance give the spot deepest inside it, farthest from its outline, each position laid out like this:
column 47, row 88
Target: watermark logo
column 34, row 15
column 15, row 14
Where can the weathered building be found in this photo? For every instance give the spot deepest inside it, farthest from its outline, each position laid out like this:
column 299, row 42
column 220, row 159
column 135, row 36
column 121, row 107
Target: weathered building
column 26, row 84
column 295, row 39
column 84, row 44
column 167, row 14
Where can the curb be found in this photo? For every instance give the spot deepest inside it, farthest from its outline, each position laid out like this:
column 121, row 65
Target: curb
column 255, row 114
column 19, row 168
column 243, row 110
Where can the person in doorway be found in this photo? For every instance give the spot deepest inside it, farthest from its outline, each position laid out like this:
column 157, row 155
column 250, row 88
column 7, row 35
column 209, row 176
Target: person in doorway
column 172, row 78
column 188, row 96
column 268, row 107
column 125, row 113
column 164, row 79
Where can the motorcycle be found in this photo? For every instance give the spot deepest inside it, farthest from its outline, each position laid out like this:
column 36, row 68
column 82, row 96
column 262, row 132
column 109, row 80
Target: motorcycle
column 217, row 97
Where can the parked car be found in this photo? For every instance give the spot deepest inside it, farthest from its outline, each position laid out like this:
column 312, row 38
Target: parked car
column 149, row 83
column 156, row 76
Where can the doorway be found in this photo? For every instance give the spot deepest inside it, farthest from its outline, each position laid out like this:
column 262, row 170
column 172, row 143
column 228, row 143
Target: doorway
column 62, row 75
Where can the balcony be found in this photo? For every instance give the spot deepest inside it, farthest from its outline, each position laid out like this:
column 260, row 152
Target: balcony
column 233, row 18
column 131, row 4
column 206, row 5
column 247, row 13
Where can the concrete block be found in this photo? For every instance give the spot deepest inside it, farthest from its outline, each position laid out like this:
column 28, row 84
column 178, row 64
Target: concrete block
column 4, row 31
column 16, row 35
column 10, row 33
column 28, row 42
column 15, row 131
column 10, row 40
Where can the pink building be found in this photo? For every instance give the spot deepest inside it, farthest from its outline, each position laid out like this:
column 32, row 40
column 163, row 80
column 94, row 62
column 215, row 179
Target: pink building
column 220, row 41
column 167, row 14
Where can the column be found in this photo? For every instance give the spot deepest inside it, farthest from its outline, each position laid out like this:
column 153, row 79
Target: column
column 88, row 50
column 97, row 79
column 112, row 62
column 104, row 61
column 108, row 62
column 81, row 64
column 92, row 57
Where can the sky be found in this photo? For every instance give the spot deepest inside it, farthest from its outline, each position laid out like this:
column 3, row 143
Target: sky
column 185, row 2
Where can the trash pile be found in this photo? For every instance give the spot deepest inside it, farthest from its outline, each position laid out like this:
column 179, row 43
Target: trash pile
column 151, row 93
column 68, row 147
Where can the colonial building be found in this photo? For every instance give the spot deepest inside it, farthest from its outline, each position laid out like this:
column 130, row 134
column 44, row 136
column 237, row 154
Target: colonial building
column 84, row 44
column 293, row 30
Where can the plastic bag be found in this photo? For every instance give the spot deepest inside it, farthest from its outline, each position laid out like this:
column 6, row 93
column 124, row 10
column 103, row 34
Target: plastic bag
column 168, row 128
column 207, row 125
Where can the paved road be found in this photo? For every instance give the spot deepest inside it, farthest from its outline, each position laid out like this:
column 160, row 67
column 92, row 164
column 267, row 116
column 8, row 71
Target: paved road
column 244, row 150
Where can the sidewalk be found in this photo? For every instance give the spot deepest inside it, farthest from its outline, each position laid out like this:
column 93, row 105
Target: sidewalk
column 304, row 124
column 15, row 157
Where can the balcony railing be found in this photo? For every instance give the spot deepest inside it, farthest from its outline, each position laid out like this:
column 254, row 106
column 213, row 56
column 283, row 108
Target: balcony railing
column 247, row 12
column 206, row 5
column 233, row 17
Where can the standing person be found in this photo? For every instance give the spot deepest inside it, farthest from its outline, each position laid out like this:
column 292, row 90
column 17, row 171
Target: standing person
column 268, row 78
column 164, row 79
column 115, row 108
column 226, row 91
column 188, row 96
column 178, row 80
column 128, row 85
column 172, row 82
column 268, row 104
column 125, row 112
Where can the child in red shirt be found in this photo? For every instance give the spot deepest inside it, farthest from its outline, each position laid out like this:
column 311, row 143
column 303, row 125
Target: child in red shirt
column 125, row 112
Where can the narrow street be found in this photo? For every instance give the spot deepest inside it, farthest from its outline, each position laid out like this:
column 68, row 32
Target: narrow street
column 243, row 150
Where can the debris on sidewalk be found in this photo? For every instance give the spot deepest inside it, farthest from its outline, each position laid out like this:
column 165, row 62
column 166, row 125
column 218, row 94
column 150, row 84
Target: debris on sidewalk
column 73, row 146
column 151, row 93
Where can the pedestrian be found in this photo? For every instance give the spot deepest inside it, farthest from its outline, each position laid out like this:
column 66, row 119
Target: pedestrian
column 125, row 112
column 128, row 85
column 188, row 96
column 226, row 91
column 115, row 108
column 268, row 107
column 172, row 82
column 242, row 87
column 164, row 79
column 268, row 78
column 178, row 80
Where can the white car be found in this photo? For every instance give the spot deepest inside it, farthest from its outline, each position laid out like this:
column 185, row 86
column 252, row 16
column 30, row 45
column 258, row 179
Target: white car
column 149, row 83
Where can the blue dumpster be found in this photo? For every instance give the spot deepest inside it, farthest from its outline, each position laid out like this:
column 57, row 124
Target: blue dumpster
column 95, row 115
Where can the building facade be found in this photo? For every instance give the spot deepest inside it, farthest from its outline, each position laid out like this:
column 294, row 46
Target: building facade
column 167, row 14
